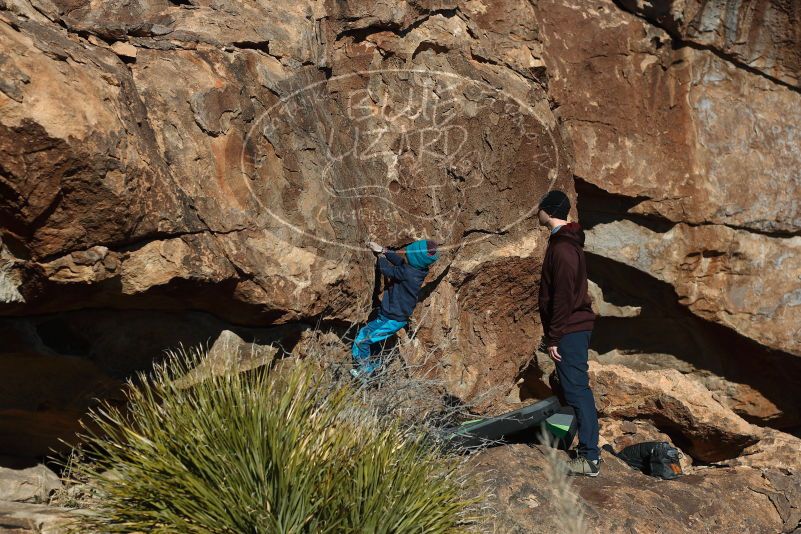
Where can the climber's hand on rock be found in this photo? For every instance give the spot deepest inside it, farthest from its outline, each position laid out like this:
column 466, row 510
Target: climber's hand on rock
column 553, row 352
column 375, row 247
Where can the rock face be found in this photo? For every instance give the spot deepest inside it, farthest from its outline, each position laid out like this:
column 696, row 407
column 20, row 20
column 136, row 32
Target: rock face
column 677, row 130
column 172, row 170
column 682, row 118
column 774, row 449
column 731, row 500
column 762, row 35
column 21, row 518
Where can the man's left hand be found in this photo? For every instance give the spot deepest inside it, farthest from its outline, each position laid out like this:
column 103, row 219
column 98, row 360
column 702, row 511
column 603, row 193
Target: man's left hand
column 553, row 352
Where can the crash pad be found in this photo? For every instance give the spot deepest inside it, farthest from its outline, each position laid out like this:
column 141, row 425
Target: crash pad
column 494, row 429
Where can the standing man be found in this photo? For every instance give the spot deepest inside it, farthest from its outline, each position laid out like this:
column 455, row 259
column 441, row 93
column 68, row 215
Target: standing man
column 567, row 319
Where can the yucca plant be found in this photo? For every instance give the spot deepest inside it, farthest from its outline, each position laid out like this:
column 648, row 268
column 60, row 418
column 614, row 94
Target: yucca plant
column 261, row 451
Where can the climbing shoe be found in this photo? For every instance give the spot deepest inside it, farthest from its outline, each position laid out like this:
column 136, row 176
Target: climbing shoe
column 582, row 466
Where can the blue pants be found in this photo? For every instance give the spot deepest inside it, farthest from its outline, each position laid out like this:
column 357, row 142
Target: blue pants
column 575, row 381
column 373, row 332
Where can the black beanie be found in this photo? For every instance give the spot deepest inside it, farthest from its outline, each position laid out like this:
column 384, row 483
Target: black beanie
column 556, row 204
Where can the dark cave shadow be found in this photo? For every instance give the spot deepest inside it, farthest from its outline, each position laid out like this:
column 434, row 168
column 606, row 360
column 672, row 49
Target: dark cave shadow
column 596, row 206
column 664, row 326
column 120, row 343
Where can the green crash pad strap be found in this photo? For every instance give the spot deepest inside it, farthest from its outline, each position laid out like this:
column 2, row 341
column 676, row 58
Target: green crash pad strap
column 559, row 424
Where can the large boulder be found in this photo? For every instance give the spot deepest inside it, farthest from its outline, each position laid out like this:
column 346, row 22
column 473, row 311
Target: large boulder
column 33, row 484
column 677, row 405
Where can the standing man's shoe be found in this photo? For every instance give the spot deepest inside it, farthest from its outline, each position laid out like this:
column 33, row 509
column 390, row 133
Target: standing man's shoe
column 581, row 466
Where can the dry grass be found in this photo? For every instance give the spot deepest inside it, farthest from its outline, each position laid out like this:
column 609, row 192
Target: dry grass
column 413, row 393
column 567, row 503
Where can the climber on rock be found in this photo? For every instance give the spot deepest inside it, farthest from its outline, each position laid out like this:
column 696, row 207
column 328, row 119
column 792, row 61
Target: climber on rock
column 405, row 278
column 567, row 320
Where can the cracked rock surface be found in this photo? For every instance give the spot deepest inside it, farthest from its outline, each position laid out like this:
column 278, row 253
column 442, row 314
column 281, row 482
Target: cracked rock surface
column 182, row 171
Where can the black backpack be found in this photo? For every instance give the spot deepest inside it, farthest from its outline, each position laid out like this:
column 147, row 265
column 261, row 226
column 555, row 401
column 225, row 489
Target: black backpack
column 655, row 458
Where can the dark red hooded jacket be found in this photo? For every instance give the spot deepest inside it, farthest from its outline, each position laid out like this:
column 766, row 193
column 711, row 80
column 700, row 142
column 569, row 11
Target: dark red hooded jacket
column 564, row 303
